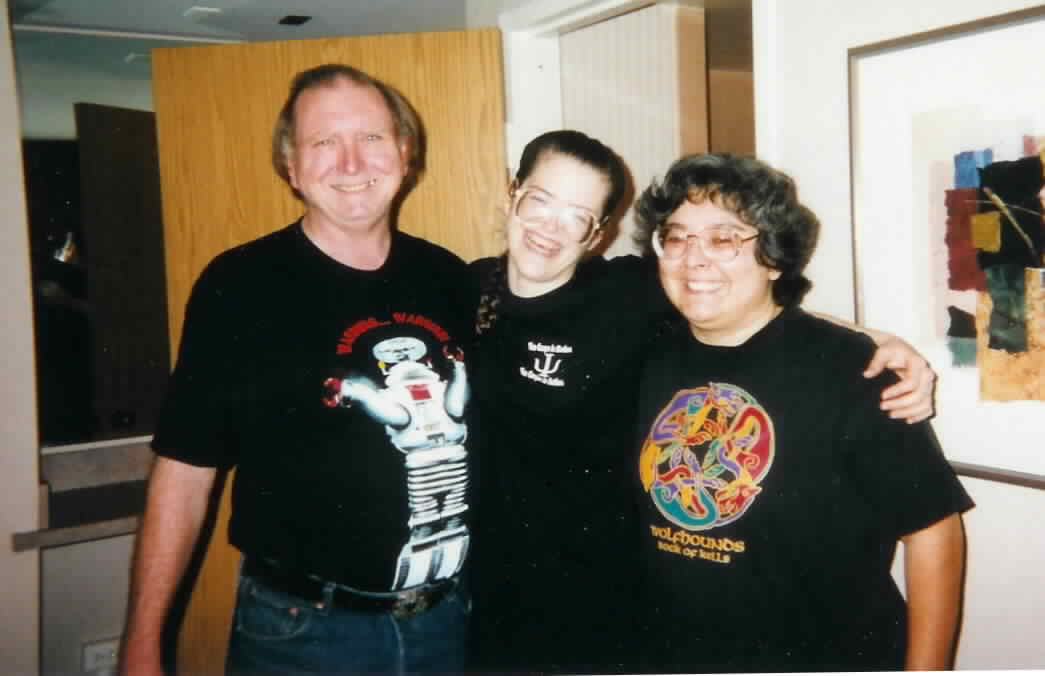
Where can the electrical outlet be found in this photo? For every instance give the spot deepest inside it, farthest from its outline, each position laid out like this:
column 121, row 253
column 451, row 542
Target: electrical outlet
column 99, row 657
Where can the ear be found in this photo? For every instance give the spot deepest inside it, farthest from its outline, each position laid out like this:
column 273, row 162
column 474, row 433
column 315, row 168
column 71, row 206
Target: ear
column 774, row 274
column 292, row 173
column 594, row 240
column 513, row 187
column 404, row 157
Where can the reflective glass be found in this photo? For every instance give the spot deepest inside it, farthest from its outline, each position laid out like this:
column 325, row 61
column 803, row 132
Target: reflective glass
column 534, row 206
column 718, row 244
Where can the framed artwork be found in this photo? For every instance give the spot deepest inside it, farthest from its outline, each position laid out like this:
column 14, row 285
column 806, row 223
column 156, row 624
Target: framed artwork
column 947, row 133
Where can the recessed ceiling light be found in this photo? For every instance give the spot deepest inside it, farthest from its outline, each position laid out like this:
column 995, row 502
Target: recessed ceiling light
column 294, row 20
column 197, row 10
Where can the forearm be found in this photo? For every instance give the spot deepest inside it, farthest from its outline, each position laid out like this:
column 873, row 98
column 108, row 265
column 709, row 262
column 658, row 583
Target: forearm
column 175, row 508
column 933, row 567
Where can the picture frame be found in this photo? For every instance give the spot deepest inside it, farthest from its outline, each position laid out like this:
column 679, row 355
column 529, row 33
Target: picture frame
column 915, row 103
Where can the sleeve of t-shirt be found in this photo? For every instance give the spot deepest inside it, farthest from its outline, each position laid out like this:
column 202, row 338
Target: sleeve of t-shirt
column 640, row 274
column 900, row 468
column 194, row 421
column 659, row 305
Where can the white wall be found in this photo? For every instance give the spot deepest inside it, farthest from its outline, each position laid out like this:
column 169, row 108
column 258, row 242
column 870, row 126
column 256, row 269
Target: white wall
column 47, row 105
column 802, row 117
column 1004, row 624
column 802, row 107
column 19, row 604
column 83, row 598
column 620, row 85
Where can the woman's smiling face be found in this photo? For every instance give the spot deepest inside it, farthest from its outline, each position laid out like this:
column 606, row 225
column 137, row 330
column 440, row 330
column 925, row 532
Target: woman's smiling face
column 725, row 302
column 543, row 253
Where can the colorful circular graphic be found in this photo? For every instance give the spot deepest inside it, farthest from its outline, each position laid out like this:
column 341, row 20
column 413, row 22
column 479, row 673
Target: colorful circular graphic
column 705, row 456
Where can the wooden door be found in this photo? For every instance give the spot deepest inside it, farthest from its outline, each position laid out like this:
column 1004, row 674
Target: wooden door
column 126, row 288
column 215, row 109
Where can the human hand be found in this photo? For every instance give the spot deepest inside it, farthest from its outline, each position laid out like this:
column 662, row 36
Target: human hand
column 454, row 354
column 332, row 392
column 911, row 399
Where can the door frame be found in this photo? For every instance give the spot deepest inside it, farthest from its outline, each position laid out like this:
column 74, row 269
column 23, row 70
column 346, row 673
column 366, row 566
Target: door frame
column 530, row 41
column 22, row 505
column 19, row 508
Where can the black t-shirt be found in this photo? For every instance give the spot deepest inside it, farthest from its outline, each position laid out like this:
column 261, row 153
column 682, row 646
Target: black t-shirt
column 556, row 386
column 773, row 491
column 323, row 489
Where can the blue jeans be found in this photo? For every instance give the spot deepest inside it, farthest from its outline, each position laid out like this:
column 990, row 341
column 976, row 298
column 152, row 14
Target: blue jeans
column 274, row 632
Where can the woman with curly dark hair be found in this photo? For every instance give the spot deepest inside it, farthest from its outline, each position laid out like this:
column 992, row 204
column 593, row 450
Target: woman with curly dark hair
column 772, row 490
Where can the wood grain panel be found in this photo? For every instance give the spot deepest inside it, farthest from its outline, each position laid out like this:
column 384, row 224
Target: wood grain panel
column 693, row 81
column 216, row 106
column 122, row 229
column 731, row 104
column 215, row 109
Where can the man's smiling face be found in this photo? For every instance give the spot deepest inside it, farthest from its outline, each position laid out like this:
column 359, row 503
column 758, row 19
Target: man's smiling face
column 347, row 161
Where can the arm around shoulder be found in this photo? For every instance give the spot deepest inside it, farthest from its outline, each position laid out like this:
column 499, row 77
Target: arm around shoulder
column 934, row 560
column 175, row 508
column 911, row 399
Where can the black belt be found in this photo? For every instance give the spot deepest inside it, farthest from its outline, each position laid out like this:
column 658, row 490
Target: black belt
column 406, row 603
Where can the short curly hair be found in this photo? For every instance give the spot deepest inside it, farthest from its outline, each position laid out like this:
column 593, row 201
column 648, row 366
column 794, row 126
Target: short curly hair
column 408, row 127
column 759, row 195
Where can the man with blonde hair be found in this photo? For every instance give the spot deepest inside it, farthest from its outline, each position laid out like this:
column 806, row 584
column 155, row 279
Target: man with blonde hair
column 325, row 362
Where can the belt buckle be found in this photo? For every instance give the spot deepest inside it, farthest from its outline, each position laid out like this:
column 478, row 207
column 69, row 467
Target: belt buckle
column 410, row 602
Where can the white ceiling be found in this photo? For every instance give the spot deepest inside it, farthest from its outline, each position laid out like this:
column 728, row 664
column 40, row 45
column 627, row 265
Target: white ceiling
column 729, row 22
column 248, row 20
column 75, row 38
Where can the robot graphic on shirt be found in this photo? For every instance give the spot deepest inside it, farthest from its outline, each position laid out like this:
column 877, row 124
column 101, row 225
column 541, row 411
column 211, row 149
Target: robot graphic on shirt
column 422, row 415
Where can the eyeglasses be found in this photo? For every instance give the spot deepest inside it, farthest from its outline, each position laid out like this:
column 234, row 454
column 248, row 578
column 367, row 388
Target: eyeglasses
column 537, row 206
column 718, row 244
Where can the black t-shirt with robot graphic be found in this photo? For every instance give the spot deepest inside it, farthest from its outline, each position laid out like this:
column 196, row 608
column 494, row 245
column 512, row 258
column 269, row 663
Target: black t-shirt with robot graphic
column 339, row 395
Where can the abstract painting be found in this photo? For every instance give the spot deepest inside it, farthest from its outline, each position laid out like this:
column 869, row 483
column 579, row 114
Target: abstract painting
column 947, row 133
column 995, row 240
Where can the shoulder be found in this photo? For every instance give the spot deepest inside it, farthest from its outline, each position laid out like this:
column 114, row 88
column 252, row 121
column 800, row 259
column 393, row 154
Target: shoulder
column 635, row 282
column 260, row 251
column 623, row 279
column 438, row 271
column 827, row 335
column 823, row 354
column 245, row 264
column 429, row 253
column 819, row 353
column 488, row 275
column 481, row 267
column 619, row 269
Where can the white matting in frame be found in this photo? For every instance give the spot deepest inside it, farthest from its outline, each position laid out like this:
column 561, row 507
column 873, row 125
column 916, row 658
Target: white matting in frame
column 914, row 104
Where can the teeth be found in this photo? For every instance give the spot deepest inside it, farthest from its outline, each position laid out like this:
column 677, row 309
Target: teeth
column 703, row 287
column 342, row 187
column 536, row 244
